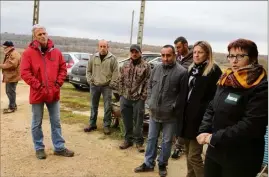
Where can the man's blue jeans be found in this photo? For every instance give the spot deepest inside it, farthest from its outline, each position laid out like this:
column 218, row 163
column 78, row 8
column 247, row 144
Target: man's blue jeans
column 96, row 92
column 167, row 129
column 56, row 133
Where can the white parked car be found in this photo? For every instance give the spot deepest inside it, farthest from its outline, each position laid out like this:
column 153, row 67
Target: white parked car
column 71, row 58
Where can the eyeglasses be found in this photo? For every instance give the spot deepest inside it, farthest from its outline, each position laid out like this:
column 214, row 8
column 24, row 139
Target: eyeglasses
column 238, row 57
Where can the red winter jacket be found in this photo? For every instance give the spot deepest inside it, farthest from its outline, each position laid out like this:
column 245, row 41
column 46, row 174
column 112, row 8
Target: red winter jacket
column 44, row 72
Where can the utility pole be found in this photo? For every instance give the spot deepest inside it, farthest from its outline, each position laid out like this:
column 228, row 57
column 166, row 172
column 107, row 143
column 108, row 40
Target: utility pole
column 141, row 23
column 36, row 13
column 132, row 25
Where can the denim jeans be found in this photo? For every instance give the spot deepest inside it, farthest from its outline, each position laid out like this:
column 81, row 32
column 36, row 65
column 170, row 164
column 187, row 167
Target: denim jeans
column 133, row 113
column 96, row 92
column 11, row 94
column 56, row 133
column 167, row 129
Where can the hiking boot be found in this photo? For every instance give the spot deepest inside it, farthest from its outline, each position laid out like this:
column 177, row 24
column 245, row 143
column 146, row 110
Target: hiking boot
column 9, row 110
column 40, row 154
column 65, row 152
column 177, row 153
column 126, row 145
column 162, row 171
column 143, row 168
column 90, row 128
column 140, row 148
column 106, row 131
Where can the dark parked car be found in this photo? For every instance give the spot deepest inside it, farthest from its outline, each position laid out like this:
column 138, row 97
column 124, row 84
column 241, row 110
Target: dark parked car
column 77, row 76
column 148, row 56
column 155, row 62
column 71, row 58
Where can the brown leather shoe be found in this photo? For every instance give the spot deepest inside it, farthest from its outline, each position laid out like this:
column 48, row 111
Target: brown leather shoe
column 126, row 145
column 89, row 129
column 140, row 148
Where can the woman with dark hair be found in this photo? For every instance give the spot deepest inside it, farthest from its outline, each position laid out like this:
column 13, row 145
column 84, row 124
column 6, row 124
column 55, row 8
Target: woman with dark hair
column 235, row 122
column 203, row 77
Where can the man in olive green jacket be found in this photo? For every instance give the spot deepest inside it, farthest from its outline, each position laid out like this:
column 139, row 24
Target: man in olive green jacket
column 102, row 73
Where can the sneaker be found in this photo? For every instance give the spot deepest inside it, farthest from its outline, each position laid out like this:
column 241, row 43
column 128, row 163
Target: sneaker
column 65, row 153
column 106, row 131
column 90, row 128
column 177, row 153
column 126, row 145
column 143, row 168
column 140, row 148
column 162, row 171
column 40, row 154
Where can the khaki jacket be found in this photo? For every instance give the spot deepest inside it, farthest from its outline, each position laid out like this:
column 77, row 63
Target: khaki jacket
column 102, row 73
column 11, row 66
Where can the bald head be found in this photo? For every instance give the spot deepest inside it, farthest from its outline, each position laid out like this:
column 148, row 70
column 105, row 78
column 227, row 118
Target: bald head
column 103, row 47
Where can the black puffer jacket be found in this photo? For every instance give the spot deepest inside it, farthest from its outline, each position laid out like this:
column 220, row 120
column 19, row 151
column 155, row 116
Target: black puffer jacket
column 237, row 119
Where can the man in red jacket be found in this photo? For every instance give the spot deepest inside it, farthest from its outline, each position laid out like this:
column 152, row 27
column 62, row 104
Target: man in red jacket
column 44, row 70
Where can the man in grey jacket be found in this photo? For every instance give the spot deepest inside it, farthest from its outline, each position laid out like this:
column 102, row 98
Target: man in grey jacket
column 102, row 74
column 167, row 91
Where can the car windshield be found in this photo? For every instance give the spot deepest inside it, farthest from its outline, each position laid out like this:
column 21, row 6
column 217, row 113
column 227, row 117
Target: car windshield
column 149, row 58
column 83, row 56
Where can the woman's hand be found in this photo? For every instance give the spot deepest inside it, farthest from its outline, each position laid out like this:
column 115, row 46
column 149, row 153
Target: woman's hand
column 208, row 138
column 202, row 138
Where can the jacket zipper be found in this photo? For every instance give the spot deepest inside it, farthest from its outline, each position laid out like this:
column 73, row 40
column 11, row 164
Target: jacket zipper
column 46, row 75
column 217, row 105
column 133, row 75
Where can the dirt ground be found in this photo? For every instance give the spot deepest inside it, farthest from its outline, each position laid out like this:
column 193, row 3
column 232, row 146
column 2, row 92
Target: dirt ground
column 95, row 155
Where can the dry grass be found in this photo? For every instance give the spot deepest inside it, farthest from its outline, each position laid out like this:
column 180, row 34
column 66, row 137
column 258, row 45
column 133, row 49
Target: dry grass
column 79, row 101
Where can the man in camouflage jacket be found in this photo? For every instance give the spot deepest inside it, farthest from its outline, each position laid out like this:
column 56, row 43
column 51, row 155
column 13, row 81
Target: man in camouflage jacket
column 133, row 81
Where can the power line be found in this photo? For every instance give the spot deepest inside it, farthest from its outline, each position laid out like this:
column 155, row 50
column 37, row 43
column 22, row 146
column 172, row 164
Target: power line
column 141, row 23
column 36, row 13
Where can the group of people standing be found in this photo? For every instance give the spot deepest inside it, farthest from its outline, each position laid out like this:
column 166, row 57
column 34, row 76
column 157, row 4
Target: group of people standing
column 188, row 97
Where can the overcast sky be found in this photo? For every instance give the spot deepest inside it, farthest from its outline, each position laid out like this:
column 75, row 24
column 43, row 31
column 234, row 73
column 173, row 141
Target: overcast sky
column 217, row 22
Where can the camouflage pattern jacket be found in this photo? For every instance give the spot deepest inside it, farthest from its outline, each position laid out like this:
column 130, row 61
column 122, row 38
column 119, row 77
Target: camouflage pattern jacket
column 133, row 80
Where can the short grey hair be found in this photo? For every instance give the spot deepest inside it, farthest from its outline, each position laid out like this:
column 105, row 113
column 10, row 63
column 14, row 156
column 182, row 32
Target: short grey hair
column 37, row 26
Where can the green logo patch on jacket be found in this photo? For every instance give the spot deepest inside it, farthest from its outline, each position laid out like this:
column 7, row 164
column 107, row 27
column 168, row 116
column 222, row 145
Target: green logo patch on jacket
column 232, row 98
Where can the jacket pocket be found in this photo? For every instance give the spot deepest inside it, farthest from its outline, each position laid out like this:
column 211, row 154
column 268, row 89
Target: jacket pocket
column 38, row 95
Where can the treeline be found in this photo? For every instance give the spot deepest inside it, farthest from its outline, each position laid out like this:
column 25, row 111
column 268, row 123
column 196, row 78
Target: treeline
column 72, row 44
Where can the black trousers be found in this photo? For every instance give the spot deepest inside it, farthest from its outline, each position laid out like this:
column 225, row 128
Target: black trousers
column 11, row 94
column 133, row 115
column 213, row 169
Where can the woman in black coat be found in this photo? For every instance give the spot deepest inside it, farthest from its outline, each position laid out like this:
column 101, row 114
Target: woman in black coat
column 235, row 122
column 203, row 77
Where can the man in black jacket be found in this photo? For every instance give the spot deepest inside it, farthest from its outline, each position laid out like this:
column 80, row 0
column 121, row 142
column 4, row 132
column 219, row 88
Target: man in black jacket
column 184, row 58
column 184, row 52
column 167, row 91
